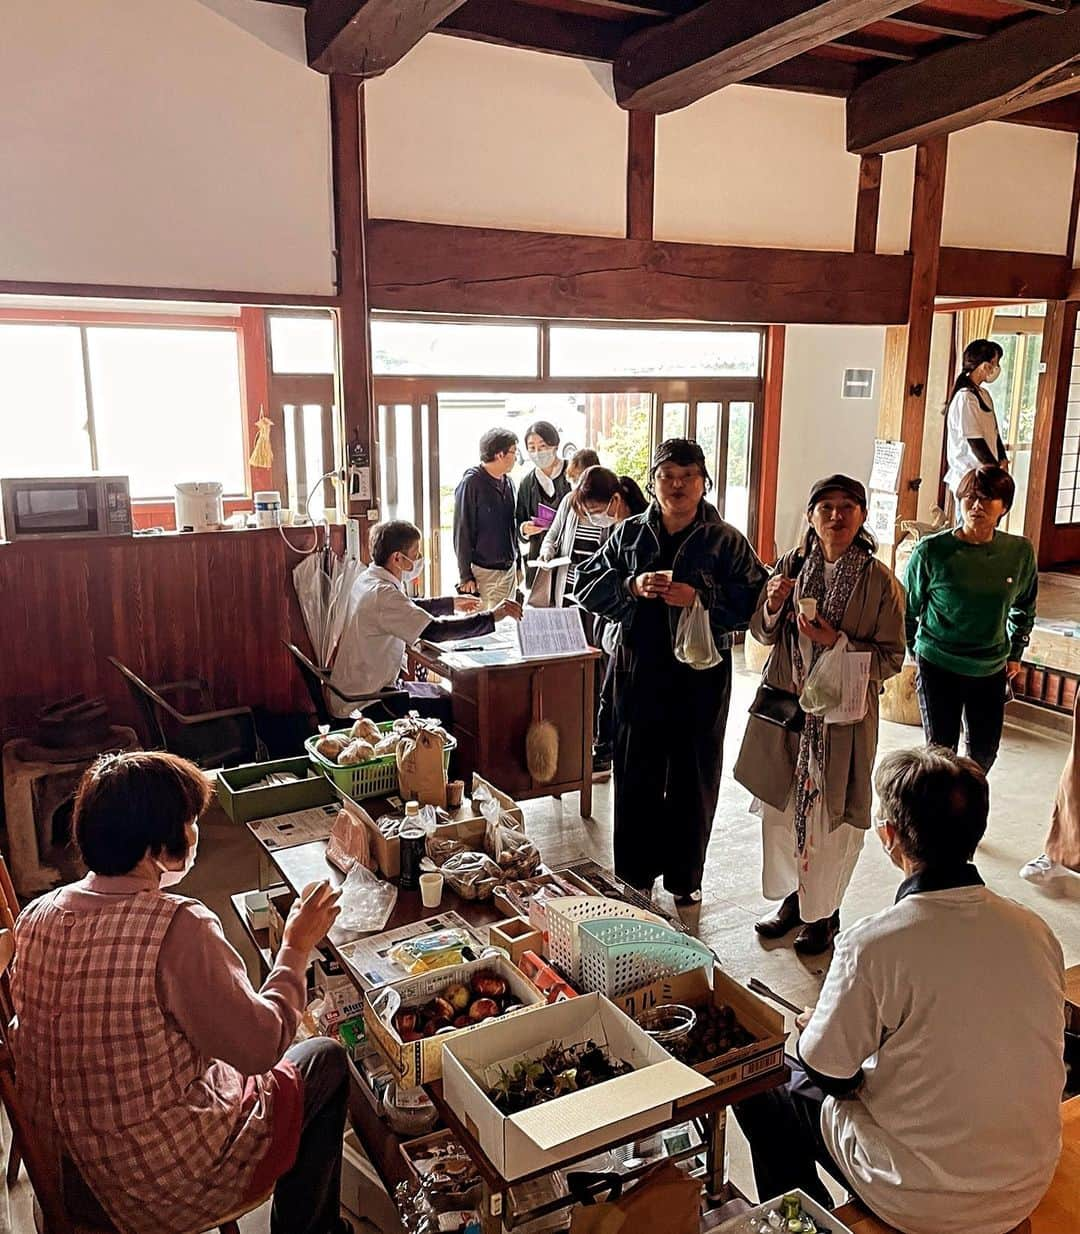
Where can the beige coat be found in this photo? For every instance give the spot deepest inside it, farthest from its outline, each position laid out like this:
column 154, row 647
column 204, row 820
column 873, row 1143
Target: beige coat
column 874, row 622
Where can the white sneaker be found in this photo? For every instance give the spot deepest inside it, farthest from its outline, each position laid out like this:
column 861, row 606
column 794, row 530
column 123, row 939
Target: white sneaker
column 1043, row 870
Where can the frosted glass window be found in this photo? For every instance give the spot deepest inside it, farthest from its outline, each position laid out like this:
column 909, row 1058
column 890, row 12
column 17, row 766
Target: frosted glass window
column 581, row 351
column 167, row 407
column 43, row 426
column 302, row 344
column 446, row 349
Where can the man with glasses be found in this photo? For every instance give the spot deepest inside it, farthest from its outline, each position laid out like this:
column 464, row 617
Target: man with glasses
column 384, row 619
column 485, row 527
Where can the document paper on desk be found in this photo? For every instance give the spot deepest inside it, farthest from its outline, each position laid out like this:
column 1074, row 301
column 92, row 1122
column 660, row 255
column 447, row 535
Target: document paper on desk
column 856, row 685
column 546, row 632
column 289, row 830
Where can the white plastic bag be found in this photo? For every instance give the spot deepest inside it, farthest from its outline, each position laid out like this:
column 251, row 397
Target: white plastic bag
column 824, row 688
column 694, row 643
column 366, row 902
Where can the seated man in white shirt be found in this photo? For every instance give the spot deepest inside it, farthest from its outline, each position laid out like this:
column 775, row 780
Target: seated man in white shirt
column 929, row 1075
column 384, row 619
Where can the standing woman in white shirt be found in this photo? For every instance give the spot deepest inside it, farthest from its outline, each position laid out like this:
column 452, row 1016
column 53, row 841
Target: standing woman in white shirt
column 972, row 434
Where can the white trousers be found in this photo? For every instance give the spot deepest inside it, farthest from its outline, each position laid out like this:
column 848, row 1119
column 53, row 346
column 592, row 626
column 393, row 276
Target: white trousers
column 821, row 872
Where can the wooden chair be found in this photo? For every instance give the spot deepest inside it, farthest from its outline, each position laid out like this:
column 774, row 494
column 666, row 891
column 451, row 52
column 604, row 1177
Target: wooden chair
column 51, row 1213
column 318, row 684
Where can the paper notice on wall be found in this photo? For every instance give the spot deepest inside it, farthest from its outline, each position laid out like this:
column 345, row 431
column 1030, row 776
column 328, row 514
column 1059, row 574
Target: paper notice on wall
column 881, row 516
column 546, row 632
column 888, row 458
column 856, row 685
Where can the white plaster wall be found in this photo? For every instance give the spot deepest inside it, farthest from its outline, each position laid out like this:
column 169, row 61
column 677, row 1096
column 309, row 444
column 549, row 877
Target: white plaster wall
column 474, row 134
column 820, row 432
column 1008, row 186
column 756, row 167
column 158, row 143
column 894, row 211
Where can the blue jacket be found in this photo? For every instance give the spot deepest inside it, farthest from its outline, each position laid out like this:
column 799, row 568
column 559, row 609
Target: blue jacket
column 715, row 558
column 485, row 533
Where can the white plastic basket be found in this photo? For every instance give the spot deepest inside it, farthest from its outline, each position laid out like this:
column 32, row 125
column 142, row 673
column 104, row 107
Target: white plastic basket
column 620, row 955
column 565, row 914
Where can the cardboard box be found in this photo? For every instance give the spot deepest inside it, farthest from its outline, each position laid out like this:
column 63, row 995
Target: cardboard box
column 279, row 901
column 466, row 824
column 515, row 936
column 419, row 1062
column 579, row 1123
column 765, row 1054
column 362, row 1190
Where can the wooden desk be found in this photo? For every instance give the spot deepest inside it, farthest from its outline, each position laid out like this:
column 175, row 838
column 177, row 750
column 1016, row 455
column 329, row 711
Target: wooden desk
column 494, row 704
column 1060, row 1207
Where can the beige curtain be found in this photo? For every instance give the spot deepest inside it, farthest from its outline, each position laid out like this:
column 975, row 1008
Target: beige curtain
column 972, row 324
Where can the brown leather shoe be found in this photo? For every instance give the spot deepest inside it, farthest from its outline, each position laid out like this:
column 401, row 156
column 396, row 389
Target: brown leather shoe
column 785, row 919
column 817, row 936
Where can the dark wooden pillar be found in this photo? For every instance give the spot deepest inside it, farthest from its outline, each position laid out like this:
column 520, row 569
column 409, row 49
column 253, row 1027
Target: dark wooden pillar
column 640, row 174
column 869, row 202
column 350, row 219
column 926, row 210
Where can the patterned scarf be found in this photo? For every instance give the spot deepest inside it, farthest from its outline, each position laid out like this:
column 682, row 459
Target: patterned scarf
column 832, row 603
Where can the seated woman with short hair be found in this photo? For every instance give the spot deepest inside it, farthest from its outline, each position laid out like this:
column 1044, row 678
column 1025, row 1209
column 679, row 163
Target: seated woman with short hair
column 144, row 1054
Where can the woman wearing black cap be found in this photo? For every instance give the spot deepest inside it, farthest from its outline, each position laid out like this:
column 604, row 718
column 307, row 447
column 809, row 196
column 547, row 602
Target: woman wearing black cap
column 669, row 717
column 813, row 786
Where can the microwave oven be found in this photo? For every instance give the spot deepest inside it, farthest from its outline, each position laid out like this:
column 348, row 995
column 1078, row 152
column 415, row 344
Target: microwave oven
column 55, row 507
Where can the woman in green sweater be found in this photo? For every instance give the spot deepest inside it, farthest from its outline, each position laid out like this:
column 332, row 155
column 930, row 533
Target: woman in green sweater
column 970, row 607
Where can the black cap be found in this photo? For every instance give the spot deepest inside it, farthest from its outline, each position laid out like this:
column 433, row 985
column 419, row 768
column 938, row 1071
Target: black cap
column 845, row 484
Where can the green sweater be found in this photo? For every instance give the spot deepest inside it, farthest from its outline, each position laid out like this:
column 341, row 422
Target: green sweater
column 970, row 607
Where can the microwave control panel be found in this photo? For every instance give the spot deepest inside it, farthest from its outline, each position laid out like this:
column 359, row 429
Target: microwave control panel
column 117, row 512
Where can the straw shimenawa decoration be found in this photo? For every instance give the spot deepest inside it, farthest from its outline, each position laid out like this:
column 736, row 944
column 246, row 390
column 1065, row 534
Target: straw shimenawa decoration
column 262, row 454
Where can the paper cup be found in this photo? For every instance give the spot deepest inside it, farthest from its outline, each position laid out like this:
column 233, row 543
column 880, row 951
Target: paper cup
column 431, row 886
column 808, row 608
column 664, row 574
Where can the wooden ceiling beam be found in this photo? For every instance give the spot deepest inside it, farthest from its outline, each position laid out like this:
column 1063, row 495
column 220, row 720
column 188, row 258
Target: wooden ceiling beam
column 948, row 25
column 438, row 268
column 1031, row 62
column 727, row 41
column 1043, row 6
column 811, row 75
column 875, row 45
column 364, row 38
column 512, row 23
column 1061, row 114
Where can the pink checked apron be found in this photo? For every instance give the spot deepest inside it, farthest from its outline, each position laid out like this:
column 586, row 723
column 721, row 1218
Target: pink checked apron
column 166, row 1139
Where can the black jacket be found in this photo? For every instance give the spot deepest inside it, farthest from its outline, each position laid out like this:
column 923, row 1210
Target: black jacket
column 715, row 558
column 530, row 497
column 484, row 530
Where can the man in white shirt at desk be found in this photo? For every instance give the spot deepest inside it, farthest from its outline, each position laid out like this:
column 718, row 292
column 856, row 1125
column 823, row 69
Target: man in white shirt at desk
column 929, row 1075
column 384, row 619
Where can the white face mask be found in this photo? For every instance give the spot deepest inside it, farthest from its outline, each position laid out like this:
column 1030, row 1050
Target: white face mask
column 414, row 571
column 169, row 878
column 542, row 458
column 602, row 519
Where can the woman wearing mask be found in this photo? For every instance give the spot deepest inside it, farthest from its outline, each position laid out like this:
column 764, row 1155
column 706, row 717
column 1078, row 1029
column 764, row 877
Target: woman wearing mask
column 143, row 1052
column 972, row 437
column 670, row 718
column 971, row 593
column 546, row 485
column 585, row 520
column 813, row 787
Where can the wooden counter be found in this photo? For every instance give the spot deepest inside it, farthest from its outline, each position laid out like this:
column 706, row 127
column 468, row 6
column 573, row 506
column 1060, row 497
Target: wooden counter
column 494, row 705
column 214, row 604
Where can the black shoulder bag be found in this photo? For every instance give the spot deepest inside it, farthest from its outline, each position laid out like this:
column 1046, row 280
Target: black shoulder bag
column 776, row 706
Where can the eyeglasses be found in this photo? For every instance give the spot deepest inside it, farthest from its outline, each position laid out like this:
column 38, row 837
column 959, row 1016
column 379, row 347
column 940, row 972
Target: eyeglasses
column 684, row 476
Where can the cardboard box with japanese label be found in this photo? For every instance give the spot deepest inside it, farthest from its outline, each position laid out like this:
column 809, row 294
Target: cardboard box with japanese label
column 578, row 1123
column 764, row 1054
column 419, row 1062
column 466, row 824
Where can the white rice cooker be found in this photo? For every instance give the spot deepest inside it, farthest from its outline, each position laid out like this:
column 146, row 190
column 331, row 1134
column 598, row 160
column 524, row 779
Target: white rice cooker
column 199, row 506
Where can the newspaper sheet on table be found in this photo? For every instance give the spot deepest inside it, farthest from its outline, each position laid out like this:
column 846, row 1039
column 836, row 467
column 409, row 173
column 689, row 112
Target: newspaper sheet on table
column 288, row 830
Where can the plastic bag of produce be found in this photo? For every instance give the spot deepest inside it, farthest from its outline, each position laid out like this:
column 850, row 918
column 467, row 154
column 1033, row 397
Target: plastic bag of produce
column 824, row 686
column 694, row 643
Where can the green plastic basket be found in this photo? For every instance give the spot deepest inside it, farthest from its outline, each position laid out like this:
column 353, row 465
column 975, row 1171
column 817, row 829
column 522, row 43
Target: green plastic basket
column 377, row 778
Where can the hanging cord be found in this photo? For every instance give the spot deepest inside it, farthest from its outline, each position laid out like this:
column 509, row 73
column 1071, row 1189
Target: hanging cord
column 325, row 522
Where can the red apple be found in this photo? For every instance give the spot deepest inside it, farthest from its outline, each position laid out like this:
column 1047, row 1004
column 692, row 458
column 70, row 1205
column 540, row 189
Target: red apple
column 483, row 1009
column 440, row 1010
column 487, row 985
column 462, row 1021
column 405, row 1020
column 409, row 1035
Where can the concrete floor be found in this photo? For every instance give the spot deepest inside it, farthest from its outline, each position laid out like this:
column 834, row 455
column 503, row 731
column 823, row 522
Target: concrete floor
column 1023, row 784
